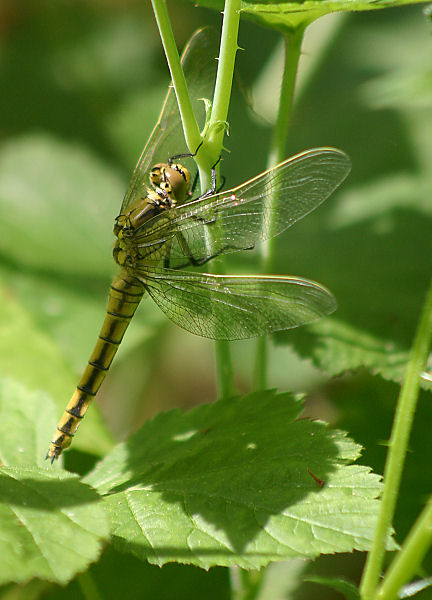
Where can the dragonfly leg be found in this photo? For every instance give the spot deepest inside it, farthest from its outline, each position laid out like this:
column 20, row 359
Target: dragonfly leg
column 198, row 262
column 213, row 188
column 167, row 255
column 185, row 155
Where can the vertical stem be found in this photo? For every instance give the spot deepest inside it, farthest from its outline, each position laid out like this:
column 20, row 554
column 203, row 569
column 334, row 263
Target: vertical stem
column 223, row 86
column 246, row 585
column 397, row 449
column 190, row 125
column 224, row 370
column 407, row 562
column 218, row 119
column 219, row 115
column 293, row 41
column 88, row 586
column 225, row 73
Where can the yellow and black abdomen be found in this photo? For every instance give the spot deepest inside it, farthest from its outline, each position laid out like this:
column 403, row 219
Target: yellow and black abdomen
column 125, row 295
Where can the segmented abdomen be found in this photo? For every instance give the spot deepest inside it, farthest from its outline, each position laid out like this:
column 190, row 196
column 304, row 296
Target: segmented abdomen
column 125, row 295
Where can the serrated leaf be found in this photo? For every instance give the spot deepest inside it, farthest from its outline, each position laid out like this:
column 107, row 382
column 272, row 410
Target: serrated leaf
column 29, row 356
column 377, row 236
column 113, row 573
column 346, row 588
column 279, row 14
column 365, row 407
column 343, row 347
column 57, row 206
column 230, row 484
column 52, row 525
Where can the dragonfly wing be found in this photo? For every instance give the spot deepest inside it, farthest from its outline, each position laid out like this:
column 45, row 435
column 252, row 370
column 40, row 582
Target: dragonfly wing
column 257, row 210
column 167, row 139
column 236, row 307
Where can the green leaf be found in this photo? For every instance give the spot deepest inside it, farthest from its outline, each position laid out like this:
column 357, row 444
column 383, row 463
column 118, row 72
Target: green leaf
column 291, row 15
column 348, row 589
column 411, row 589
column 114, row 571
column 71, row 313
column 232, row 483
column 365, row 407
column 27, row 420
column 52, row 525
column 57, row 206
column 338, row 346
column 366, row 234
column 29, row 356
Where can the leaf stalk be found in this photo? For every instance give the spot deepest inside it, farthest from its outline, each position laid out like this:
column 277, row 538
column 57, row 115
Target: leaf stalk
column 402, row 424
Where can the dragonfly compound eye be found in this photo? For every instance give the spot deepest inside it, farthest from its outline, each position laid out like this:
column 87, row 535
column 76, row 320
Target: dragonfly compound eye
column 179, row 180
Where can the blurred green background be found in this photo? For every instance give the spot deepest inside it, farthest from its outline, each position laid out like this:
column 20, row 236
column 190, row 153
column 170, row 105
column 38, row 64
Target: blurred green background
column 82, row 84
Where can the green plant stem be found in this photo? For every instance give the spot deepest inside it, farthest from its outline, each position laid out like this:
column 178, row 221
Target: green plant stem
column 224, row 370
column 407, row 561
column 293, row 42
column 190, row 126
column 211, row 149
column 246, row 585
column 88, row 586
column 225, row 75
column 397, row 449
column 217, row 127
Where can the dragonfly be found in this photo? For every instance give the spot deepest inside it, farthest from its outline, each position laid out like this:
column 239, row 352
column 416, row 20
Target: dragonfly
column 162, row 236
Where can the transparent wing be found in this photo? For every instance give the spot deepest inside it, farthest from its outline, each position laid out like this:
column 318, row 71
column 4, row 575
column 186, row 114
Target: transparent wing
column 235, row 307
column 166, row 140
column 257, row 210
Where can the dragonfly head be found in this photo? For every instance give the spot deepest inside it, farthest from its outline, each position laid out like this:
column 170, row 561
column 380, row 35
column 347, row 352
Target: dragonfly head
column 173, row 179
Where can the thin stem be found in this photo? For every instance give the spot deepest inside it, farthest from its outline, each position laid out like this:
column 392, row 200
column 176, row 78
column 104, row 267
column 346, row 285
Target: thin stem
column 407, row 561
column 293, row 41
column 225, row 75
column 88, row 586
column 190, row 125
column 222, row 94
column 246, row 585
column 397, row 449
column 224, row 370
column 260, row 370
column 218, row 119
column 192, row 134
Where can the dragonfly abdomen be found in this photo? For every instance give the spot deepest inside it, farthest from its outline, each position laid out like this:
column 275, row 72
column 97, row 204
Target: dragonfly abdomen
column 125, row 295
